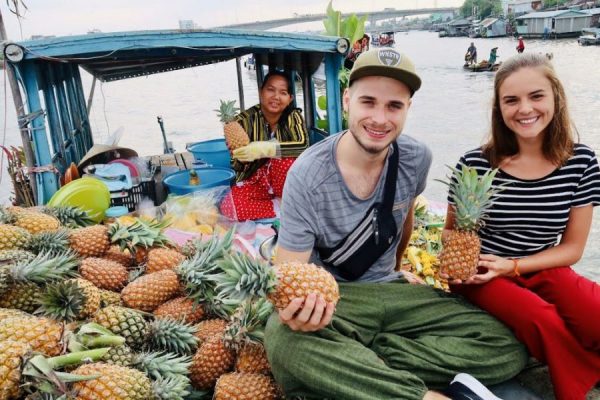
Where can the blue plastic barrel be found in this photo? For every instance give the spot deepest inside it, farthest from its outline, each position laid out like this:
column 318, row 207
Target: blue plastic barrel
column 178, row 182
column 213, row 152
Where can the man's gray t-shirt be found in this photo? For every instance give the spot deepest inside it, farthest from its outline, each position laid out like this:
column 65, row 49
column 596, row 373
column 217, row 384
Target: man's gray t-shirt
column 318, row 209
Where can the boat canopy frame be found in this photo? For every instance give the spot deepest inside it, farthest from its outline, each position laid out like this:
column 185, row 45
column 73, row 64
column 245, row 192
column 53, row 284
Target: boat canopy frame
column 57, row 110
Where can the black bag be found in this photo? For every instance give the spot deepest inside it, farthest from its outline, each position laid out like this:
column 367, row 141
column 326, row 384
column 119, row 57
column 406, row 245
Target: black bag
column 372, row 237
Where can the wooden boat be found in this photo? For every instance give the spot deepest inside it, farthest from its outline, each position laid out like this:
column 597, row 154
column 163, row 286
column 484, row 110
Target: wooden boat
column 482, row 67
column 56, row 107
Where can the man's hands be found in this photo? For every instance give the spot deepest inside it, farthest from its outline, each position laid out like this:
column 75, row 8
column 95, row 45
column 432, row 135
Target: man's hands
column 256, row 150
column 307, row 315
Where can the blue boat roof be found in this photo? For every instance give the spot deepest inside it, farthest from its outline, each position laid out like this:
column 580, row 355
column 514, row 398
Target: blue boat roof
column 120, row 55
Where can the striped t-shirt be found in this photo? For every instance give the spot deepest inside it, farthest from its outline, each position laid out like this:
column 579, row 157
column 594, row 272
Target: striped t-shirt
column 529, row 216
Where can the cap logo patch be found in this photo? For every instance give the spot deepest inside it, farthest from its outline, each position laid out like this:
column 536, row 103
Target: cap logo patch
column 389, row 58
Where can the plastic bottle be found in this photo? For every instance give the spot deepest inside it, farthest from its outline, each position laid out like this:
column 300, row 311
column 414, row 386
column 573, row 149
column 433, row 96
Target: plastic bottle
column 194, row 178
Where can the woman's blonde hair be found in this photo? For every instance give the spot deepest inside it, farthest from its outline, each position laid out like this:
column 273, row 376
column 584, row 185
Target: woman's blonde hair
column 559, row 138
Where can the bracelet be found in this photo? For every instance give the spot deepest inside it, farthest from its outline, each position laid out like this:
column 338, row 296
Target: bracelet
column 516, row 267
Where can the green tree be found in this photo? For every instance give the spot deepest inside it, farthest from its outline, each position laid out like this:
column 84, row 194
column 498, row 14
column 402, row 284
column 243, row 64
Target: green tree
column 482, row 8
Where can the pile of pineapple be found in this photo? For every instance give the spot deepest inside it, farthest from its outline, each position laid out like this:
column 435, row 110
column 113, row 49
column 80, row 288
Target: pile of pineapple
column 119, row 312
column 421, row 256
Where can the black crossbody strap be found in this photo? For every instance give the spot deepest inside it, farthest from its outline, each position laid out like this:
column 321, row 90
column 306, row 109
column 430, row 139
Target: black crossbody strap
column 389, row 188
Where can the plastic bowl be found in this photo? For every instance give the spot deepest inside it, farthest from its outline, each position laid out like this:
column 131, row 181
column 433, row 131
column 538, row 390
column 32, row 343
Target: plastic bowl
column 213, row 152
column 178, row 182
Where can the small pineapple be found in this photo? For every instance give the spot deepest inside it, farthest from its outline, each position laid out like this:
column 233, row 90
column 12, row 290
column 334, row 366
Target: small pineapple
column 148, row 292
column 252, row 359
column 472, row 196
column 180, row 309
column 209, row 328
column 105, row 274
column 241, row 386
column 243, row 277
column 124, row 322
column 109, row 298
column 91, row 241
column 235, row 135
column 113, row 383
column 162, row 258
column 119, row 355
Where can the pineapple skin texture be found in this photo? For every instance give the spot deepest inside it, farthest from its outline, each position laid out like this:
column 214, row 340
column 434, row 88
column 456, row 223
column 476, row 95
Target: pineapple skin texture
column 124, row 257
column 13, row 237
column 181, row 309
column 212, row 359
column 162, row 258
column 252, row 359
column 103, row 273
column 11, row 359
column 115, row 383
column 235, row 135
column 299, row 280
column 41, row 334
column 241, row 386
column 209, row 328
column 91, row 241
column 460, row 255
column 150, row 291
column 124, row 322
column 35, row 222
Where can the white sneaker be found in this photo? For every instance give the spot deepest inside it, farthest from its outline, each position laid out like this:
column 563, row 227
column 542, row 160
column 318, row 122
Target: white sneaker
column 466, row 387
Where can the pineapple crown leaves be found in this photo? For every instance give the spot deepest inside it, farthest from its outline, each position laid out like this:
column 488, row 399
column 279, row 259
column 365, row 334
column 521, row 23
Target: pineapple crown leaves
column 64, row 301
column 49, row 242
column 160, row 364
column 248, row 322
column 243, row 277
column 172, row 388
column 46, row 268
column 6, row 217
column 138, row 234
column 70, row 216
column 172, row 336
column 226, row 111
column 472, row 195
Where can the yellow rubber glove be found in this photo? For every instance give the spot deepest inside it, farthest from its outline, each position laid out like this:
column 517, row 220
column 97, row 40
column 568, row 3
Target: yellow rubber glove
column 256, row 150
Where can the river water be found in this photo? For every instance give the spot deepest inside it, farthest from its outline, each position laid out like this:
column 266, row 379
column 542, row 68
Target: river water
column 450, row 112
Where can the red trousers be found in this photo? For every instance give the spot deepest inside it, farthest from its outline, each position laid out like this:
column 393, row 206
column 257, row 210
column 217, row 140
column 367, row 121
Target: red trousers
column 253, row 197
column 556, row 314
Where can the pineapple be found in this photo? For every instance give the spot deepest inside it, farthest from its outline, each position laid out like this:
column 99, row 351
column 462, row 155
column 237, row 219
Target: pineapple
column 472, row 196
column 105, row 274
column 160, row 258
column 109, row 298
column 181, row 309
column 36, row 222
column 113, row 383
column 42, row 334
column 11, row 361
column 240, row 386
column 91, row 241
column 119, row 355
column 54, row 242
column 252, row 359
column 70, row 300
column 212, row 360
column 148, row 292
column 243, row 277
column 124, row 322
column 209, row 328
column 15, row 256
column 235, row 135
column 13, row 237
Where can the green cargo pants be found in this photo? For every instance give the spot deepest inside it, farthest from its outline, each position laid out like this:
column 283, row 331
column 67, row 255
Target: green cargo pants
column 392, row 341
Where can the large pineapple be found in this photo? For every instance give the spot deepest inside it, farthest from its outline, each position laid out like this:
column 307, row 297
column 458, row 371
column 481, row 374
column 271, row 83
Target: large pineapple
column 148, row 292
column 241, row 386
column 113, row 383
column 42, row 334
column 212, row 359
column 235, row 135
column 243, row 277
column 472, row 196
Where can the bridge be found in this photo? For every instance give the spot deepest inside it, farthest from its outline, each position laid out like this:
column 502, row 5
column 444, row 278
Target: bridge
column 373, row 16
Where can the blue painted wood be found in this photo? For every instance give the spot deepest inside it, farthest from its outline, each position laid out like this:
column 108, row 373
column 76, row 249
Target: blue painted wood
column 46, row 182
column 52, row 113
column 334, row 99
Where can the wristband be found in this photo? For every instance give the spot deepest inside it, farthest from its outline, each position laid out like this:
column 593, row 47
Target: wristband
column 516, row 267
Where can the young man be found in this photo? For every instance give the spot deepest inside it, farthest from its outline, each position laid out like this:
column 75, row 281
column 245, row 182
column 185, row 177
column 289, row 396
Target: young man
column 347, row 205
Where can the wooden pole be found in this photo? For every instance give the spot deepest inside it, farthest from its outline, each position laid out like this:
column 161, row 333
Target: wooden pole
column 20, row 109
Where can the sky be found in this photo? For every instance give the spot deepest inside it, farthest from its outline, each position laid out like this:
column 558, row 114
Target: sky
column 69, row 17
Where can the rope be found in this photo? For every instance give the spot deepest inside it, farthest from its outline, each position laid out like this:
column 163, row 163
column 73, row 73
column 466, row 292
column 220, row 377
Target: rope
column 40, row 169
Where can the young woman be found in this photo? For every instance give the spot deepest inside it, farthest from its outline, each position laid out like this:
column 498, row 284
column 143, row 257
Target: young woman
column 538, row 226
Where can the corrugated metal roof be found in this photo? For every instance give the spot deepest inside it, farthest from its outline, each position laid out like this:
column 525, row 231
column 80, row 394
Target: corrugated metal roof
column 592, row 11
column 554, row 14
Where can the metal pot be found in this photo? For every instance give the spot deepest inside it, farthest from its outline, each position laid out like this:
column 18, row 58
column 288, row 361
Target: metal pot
column 267, row 247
